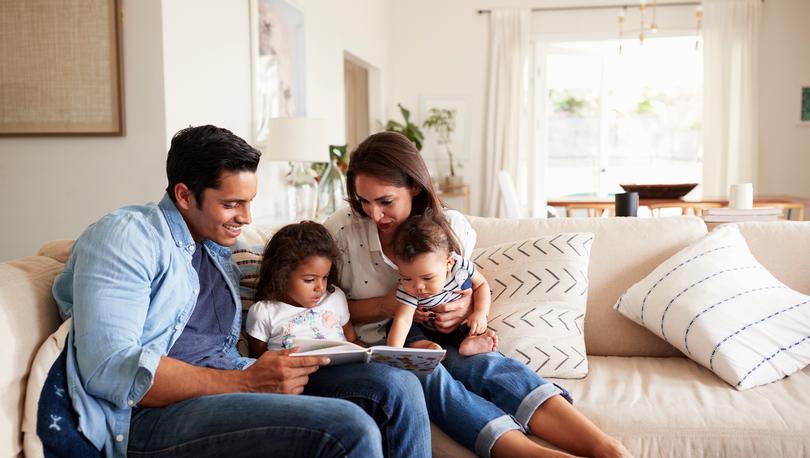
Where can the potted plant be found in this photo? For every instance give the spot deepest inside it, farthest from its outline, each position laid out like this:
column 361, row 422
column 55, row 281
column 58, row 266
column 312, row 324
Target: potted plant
column 443, row 121
column 408, row 129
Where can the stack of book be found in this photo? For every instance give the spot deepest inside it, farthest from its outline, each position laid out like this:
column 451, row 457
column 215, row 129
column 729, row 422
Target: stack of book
column 738, row 215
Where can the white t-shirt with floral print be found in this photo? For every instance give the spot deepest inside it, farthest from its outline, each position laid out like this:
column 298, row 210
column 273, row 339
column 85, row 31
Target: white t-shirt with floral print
column 279, row 323
column 365, row 271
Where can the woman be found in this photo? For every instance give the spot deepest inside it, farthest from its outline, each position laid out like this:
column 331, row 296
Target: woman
column 387, row 181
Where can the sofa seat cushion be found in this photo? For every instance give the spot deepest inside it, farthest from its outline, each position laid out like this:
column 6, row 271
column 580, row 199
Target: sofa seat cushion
column 675, row 407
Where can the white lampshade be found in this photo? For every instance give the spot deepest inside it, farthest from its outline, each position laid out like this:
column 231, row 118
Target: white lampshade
column 297, row 139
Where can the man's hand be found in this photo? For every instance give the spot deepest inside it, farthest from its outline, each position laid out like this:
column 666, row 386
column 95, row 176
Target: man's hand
column 447, row 317
column 278, row 372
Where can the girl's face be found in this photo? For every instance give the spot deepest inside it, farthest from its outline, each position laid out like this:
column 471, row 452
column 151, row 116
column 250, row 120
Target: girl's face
column 426, row 275
column 387, row 205
column 306, row 285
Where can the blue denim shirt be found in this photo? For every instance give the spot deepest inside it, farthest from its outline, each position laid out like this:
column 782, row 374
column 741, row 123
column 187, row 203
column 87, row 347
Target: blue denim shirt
column 130, row 287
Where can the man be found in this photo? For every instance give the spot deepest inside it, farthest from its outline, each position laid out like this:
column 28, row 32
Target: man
column 151, row 361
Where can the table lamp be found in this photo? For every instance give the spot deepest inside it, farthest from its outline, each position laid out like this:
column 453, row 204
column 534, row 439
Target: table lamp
column 298, row 140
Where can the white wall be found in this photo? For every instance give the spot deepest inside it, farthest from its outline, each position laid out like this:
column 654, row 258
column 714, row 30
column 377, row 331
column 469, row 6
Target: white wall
column 54, row 187
column 440, row 48
column 784, row 66
column 208, row 74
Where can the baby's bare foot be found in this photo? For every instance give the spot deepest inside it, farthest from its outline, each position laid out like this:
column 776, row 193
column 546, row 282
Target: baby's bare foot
column 483, row 343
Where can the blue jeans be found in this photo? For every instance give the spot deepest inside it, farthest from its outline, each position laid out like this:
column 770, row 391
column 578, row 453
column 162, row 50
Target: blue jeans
column 476, row 399
column 378, row 408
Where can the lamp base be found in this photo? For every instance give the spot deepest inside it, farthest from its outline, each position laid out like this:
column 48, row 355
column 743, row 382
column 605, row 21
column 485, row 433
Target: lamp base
column 302, row 193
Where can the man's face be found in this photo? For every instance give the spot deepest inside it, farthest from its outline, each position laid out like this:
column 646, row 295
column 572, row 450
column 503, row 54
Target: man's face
column 223, row 211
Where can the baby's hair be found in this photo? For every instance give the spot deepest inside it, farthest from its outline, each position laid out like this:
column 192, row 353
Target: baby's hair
column 286, row 250
column 422, row 234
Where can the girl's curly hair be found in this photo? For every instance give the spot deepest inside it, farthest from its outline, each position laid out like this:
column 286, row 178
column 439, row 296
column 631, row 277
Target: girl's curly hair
column 286, row 250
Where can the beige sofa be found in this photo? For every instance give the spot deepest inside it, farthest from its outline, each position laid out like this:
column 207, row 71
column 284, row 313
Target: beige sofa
column 639, row 389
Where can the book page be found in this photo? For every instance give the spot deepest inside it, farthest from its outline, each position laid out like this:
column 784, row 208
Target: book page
column 339, row 352
column 420, row 361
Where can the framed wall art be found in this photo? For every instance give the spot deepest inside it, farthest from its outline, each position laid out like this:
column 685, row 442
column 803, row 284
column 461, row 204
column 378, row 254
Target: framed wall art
column 61, row 69
column 804, row 113
column 279, row 79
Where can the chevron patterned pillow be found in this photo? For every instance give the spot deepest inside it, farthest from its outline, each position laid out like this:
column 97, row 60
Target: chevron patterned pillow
column 719, row 306
column 539, row 293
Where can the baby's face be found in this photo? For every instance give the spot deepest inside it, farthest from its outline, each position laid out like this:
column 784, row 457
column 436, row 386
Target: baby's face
column 425, row 275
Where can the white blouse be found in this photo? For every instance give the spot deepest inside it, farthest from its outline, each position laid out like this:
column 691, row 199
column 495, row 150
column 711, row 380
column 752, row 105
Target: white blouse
column 365, row 271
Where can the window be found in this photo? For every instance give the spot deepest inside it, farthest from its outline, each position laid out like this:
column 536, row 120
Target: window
column 612, row 118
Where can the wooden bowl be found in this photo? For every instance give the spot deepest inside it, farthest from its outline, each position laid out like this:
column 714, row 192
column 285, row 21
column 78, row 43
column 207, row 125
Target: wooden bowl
column 660, row 191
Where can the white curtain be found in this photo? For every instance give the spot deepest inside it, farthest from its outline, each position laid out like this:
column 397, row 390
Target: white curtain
column 730, row 140
column 508, row 58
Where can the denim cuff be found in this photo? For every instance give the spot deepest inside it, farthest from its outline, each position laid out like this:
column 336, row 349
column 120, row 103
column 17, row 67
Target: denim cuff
column 491, row 432
column 533, row 400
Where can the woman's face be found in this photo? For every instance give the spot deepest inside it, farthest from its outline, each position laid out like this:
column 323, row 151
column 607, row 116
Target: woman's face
column 386, row 204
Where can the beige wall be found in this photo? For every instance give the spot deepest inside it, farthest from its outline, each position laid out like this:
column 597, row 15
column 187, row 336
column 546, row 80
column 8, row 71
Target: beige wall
column 53, row 188
column 446, row 54
column 186, row 62
column 784, row 66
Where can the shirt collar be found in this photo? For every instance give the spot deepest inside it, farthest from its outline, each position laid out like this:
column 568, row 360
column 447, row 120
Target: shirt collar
column 180, row 233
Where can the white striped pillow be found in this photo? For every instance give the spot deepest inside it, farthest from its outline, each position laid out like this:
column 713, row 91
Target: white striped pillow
column 719, row 306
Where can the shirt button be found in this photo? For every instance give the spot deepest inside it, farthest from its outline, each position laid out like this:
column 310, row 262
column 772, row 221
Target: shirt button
column 196, row 290
column 178, row 327
column 119, row 438
column 130, row 403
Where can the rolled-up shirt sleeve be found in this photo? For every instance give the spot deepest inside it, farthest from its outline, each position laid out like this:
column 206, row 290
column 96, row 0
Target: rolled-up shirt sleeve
column 113, row 277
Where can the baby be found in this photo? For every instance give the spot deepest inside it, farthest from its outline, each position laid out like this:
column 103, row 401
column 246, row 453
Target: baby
column 433, row 273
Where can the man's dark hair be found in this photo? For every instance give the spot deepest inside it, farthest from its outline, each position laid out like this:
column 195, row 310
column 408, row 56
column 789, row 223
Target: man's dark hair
column 288, row 248
column 199, row 155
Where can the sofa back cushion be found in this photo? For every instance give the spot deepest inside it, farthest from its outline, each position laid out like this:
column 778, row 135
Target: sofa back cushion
column 624, row 251
column 782, row 247
column 28, row 314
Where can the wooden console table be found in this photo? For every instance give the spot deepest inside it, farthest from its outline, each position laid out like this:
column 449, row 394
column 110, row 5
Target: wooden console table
column 789, row 203
column 462, row 191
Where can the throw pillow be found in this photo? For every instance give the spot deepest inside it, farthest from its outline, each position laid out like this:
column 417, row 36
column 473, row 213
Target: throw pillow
column 539, row 293
column 721, row 308
column 247, row 254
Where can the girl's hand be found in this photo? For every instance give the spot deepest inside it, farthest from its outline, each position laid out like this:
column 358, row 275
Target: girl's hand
column 451, row 315
column 477, row 323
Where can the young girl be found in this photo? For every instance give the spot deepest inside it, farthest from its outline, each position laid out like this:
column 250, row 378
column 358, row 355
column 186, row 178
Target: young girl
column 296, row 295
column 431, row 274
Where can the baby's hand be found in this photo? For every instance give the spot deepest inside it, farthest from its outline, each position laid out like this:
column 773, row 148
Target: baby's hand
column 433, row 346
column 477, row 321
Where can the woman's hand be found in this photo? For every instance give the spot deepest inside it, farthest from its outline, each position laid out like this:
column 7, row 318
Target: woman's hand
column 447, row 317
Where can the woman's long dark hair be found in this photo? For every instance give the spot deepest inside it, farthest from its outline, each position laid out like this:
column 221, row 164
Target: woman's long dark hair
column 393, row 159
column 288, row 248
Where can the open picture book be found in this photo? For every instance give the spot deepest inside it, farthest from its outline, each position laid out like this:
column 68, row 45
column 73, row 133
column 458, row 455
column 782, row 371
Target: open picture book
column 417, row 360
